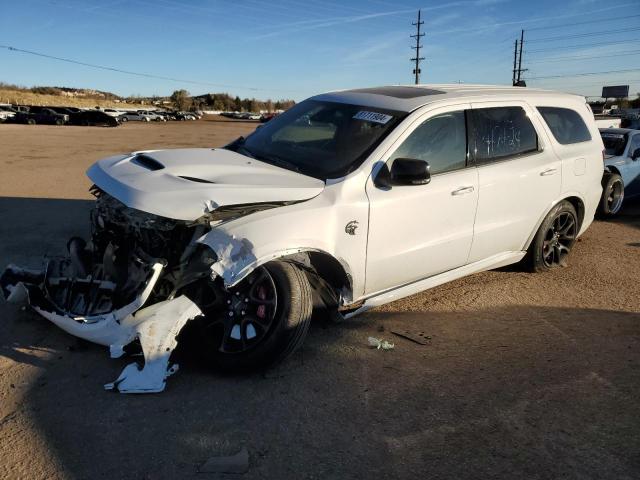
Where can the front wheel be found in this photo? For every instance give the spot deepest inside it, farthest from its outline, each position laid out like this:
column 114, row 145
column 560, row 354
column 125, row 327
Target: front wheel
column 612, row 195
column 555, row 238
column 260, row 322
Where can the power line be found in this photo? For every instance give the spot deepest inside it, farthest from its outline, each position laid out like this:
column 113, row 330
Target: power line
column 138, row 74
column 587, row 22
column 583, row 57
column 588, row 34
column 417, row 59
column 585, row 74
column 586, row 45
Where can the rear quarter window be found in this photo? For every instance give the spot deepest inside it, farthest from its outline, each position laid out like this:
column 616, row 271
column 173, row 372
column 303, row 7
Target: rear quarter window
column 565, row 124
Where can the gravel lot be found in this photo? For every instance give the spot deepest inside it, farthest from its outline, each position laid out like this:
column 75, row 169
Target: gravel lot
column 525, row 376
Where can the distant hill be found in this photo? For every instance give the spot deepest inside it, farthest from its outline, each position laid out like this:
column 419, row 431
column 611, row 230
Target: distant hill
column 89, row 98
column 62, row 96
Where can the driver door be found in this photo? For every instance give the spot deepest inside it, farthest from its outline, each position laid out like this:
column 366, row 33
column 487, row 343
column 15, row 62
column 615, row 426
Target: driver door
column 417, row 231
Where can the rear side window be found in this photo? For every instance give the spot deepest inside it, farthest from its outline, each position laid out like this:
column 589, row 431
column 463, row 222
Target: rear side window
column 501, row 132
column 566, row 125
column 440, row 140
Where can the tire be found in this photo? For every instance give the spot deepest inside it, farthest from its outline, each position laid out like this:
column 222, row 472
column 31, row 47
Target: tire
column 554, row 239
column 286, row 321
column 124, row 119
column 31, row 121
column 59, row 121
column 612, row 195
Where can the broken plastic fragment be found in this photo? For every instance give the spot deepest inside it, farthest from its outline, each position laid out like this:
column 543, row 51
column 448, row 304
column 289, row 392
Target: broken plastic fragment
column 157, row 327
column 380, row 344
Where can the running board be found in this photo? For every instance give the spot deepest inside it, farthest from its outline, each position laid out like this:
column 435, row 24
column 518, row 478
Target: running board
column 392, row 295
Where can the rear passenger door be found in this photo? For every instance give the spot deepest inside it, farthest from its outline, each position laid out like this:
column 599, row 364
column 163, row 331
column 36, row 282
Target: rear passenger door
column 519, row 177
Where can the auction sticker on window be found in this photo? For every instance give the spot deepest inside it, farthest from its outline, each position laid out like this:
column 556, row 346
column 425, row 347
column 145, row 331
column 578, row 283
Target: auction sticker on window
column 373, row 117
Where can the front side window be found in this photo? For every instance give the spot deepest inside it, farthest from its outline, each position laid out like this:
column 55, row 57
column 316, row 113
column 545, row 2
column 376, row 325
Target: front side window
column 566, row 125
column 440, row 140
column 501, row 132
column 320, row 139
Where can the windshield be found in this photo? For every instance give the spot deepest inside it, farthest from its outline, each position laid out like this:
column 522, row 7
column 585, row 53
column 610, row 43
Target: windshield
column 614, row 143
column 320, row 139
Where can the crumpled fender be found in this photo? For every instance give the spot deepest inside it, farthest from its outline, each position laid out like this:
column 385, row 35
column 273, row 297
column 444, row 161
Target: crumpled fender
column 245, row 243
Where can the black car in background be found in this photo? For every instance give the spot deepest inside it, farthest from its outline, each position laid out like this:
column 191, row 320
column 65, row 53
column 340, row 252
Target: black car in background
column 41, row 115
column 93, row 118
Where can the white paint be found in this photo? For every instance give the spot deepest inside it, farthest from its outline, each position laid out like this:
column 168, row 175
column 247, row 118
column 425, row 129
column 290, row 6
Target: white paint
column 235, row 179
column 404, row 235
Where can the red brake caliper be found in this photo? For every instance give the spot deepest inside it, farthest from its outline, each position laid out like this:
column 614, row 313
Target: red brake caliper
column 262, row 295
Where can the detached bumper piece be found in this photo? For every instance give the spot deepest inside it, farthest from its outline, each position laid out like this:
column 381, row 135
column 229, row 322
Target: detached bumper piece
column 90, row 304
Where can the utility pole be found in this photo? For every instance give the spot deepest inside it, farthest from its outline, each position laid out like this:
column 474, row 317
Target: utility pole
column 515, row 61
column 520, row 59
column 417, row 58
column 517, row 72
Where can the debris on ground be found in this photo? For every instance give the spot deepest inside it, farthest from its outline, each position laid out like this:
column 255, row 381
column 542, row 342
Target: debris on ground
column 380, row 343
column 238, row 463
column 419, row 337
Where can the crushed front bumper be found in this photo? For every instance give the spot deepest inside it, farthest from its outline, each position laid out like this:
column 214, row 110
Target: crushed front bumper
column 155, row 327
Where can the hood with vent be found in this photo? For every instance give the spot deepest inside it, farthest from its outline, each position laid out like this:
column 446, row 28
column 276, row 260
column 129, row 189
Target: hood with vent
column 184, row 184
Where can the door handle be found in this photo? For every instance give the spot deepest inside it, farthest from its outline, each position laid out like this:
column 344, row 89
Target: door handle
column 462, row 190
column 548, row 171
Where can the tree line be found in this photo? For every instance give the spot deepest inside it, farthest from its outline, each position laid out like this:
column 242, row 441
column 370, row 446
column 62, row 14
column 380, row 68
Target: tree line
column 183, row 100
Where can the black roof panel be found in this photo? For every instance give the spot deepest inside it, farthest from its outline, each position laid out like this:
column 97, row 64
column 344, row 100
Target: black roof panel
column 398, row 91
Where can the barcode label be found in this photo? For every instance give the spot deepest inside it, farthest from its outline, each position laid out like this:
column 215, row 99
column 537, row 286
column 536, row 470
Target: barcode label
column 372, row 117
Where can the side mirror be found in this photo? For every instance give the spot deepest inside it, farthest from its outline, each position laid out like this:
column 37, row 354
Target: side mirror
column 410, row 171
column 636, row 154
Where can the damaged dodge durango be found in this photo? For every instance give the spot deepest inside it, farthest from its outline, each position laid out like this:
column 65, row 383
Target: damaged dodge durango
column 346, row 201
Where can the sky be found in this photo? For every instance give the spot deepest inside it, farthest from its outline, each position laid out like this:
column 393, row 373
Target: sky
column 297, row 48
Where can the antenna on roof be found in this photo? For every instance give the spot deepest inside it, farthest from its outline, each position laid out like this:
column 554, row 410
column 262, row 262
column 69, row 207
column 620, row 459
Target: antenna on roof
column 417, row 58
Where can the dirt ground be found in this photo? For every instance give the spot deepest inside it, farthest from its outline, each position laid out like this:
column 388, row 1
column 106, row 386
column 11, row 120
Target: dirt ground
column 525, row 376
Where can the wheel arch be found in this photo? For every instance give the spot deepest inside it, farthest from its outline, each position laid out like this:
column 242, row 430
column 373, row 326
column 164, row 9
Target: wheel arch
column 237, row 258
column 574, row 199
column 612, row 169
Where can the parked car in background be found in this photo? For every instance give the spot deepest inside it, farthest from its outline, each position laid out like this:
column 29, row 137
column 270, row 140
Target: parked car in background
column 265, row 117
column 134, row 117
column 153, row 116
column 621, row 177
column 112, row 112
column 41, row 115
column 185, row 116
column 93, row 118
column 6, row 113
column 349, row 200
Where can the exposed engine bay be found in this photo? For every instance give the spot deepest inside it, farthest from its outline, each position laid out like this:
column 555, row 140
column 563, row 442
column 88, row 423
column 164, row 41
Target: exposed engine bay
column 132, row 259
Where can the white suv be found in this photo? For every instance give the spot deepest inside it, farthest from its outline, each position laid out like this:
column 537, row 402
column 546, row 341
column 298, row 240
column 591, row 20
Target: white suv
column 347, row 201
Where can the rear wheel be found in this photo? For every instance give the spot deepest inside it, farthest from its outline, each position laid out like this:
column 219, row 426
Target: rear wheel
column 260, row 322
column 31, row 121
column 612, row 195
column 59, row 121
column 555, row 238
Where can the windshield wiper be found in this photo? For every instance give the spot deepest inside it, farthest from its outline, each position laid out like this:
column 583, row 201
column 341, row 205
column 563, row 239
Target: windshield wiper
column 238, row 146
column 279, row 162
